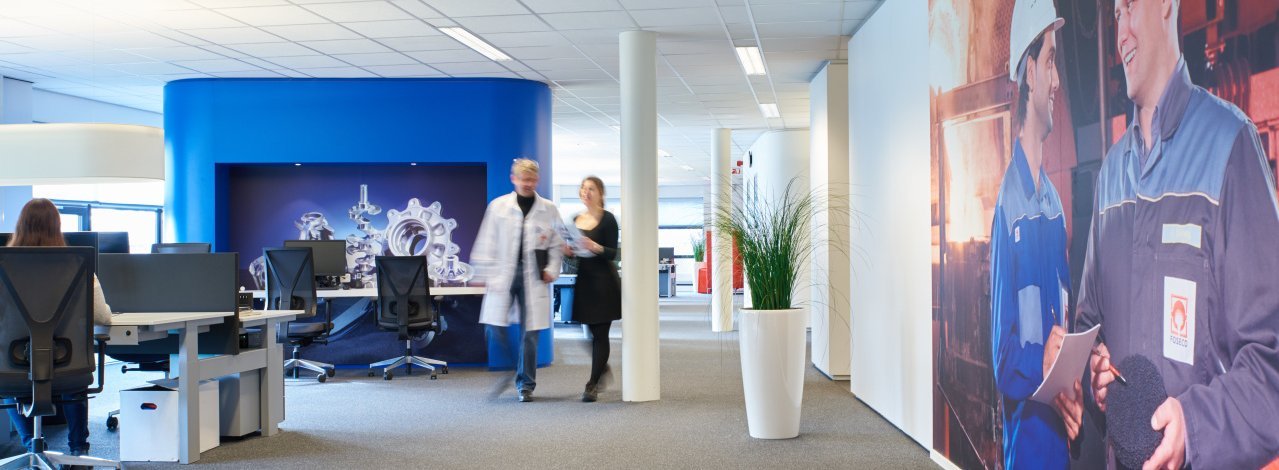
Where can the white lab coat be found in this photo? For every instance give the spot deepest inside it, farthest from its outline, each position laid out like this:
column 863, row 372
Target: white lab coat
column 494, row 260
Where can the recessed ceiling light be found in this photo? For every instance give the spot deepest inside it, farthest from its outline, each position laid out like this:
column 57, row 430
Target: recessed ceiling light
column 752, row 61
column 686, row 167
column 663, row 153
column 769, row 110
column 474, row 42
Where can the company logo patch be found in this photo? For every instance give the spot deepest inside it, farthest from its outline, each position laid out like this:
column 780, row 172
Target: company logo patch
column 1179, row 319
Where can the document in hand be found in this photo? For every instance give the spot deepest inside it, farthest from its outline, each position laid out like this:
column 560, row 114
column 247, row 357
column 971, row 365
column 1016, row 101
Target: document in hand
column 574, row 239
column 1068, row 366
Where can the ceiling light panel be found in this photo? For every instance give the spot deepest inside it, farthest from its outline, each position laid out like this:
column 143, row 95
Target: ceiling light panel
column 769, row 110
column 751, row 59
column 475, row 43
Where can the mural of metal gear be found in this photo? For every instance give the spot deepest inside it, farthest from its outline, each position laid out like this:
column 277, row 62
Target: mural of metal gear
column 313, row 226
column 423, row 231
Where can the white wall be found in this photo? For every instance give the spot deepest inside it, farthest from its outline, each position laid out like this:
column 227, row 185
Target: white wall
column 48, row 106
column 828, row 171
column 891, row 288
column 779, row 157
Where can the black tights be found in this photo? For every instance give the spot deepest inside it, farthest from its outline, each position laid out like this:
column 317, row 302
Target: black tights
column 599, row 349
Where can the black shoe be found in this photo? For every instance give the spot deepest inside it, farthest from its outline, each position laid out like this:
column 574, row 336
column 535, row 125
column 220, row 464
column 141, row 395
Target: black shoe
column 526, row 396
column 590, row 394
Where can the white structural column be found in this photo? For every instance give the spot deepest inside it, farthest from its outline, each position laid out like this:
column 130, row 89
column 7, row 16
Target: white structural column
column 641, row 365
column 721, row 245
column 828, row 171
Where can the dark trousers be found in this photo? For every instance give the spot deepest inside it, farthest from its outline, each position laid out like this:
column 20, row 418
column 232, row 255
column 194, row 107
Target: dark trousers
column 77, row 414
column 599, row 350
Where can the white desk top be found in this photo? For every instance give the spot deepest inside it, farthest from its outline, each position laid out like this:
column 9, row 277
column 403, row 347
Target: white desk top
column 267, row 314
column 372, row 292
column 163, row 318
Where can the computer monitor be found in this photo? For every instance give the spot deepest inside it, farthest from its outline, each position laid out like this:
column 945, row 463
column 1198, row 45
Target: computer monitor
column 666, row 253
column 173, row 248
column 113, row 242
column 81, row 239
column 328, row 256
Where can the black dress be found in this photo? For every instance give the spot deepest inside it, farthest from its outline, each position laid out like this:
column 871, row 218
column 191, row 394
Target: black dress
column 597, row 295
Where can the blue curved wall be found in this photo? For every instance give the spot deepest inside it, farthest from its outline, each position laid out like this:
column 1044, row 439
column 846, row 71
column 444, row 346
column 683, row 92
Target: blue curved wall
column 213, row 123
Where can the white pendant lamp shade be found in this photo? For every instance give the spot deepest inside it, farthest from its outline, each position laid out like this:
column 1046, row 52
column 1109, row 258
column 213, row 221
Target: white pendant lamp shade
column 80, row 153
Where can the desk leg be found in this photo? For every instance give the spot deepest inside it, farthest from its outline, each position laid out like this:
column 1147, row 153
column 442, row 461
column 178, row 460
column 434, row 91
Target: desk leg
column 271, row 381
column 188, row 395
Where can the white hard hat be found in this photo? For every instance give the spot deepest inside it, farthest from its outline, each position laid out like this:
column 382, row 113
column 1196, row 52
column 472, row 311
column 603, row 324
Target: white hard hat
column 1030, row 19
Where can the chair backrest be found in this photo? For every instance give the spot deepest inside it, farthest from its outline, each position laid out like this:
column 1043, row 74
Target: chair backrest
column 404, row 297
column 182, row 248
column 290, row 280
column 46, row 324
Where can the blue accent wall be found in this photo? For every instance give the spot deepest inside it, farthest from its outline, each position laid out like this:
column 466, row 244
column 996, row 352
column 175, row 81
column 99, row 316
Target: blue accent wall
column 213, row 123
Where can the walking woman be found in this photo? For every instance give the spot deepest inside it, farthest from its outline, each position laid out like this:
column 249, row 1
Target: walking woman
column 40, row 225
column 597, row 299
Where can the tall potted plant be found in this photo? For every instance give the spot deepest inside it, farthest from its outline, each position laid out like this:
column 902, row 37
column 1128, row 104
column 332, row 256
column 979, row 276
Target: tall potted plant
column 772, row 236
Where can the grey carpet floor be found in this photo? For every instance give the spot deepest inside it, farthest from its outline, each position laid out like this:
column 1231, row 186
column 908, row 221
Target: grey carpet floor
column 355, row 421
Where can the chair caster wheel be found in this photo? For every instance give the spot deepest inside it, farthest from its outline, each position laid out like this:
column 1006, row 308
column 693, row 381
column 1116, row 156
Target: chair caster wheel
column 387, row 376
column 433, row 377
column 331, row 372
column 113, row 423
column 372, row 374
column 444, row 370
column 124, row 369
column 321, row 378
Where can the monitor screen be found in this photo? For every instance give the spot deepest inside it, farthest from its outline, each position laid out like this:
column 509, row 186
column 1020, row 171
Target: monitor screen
column 329, row 256
column 81, row 239
column 113, row 242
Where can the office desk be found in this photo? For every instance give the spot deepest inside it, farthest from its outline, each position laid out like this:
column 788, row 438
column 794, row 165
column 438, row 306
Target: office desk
column 371, row 292
column 132, row 328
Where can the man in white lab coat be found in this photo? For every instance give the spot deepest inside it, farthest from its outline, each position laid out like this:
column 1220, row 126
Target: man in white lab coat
column 517, row 253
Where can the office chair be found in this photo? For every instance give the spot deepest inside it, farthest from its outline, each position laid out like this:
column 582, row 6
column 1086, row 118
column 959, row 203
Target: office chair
column 46, row 327
column 181, row 248
column 290, row 285
column 404, row 305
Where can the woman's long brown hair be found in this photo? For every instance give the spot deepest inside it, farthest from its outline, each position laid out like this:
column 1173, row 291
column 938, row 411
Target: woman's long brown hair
column 39, row 224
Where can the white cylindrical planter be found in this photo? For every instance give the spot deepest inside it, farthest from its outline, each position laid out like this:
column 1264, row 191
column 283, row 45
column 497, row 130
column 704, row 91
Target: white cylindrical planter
column 772, row 345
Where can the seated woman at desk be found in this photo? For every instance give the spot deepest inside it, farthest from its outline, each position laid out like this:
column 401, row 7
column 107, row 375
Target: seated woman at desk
column 39, row 224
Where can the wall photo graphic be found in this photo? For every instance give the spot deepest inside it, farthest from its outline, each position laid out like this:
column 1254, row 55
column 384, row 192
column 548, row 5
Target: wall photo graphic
column 1111, row 164
column 402, row 209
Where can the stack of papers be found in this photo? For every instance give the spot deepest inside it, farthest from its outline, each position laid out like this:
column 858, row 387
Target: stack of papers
column 1068, row 366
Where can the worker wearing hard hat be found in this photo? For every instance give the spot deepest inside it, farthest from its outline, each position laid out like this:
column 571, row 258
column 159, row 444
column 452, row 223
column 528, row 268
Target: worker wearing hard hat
column 1030, row 277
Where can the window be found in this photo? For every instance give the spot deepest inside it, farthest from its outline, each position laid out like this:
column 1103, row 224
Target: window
column 135, row 208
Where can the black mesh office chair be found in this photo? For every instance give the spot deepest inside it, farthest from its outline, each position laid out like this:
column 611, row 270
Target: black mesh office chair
column 404, row 305
column 181, row 248
column 290, row 285
column 46, row 331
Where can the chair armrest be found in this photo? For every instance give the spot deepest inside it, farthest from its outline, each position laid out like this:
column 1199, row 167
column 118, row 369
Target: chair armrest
column 101, row 341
